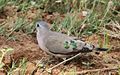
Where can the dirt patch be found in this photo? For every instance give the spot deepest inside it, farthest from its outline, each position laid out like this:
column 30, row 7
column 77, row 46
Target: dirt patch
column 25, row 46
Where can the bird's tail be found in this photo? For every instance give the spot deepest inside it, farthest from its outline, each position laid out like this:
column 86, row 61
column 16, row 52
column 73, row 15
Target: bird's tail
column 101, row 49
column 90, row 48
column 94, row 48
column 84, row 47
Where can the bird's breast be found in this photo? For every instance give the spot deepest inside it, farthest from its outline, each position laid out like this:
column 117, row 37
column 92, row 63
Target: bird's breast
column 40, row 40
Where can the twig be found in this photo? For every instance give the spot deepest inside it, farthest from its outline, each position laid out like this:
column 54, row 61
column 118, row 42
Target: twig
column 49, row 70
column 37, row 65
column 96, row 70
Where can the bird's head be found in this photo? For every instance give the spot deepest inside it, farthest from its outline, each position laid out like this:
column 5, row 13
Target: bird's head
column 42, row 25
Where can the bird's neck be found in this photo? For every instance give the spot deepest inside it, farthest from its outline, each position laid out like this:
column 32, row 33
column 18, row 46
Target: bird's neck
column 42, row 33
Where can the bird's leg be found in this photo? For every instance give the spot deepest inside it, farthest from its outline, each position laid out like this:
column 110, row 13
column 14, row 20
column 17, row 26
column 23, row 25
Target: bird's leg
column 65, row 62
column 64, row 58
column 50, row 59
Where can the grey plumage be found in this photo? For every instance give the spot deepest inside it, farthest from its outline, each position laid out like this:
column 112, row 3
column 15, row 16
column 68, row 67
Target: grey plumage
column 58, row 44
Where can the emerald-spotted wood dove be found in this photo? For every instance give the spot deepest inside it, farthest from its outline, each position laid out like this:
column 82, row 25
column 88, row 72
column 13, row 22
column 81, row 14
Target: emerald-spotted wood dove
column 60, row 45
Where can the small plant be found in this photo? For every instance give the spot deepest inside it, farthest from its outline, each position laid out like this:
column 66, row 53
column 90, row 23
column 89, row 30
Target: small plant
column 119, row 70
column 22, row 65
column 2, row 4
column 18, row 68
column 71, row 71
column 19, row 24
column 2, row 30
column 2, row 54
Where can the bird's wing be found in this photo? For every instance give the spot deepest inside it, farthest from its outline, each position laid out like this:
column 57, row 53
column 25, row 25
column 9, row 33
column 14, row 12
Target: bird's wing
column 56, row 44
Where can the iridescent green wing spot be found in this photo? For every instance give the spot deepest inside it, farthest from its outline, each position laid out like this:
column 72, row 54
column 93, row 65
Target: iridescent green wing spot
column 73, row 44
column 66, row 45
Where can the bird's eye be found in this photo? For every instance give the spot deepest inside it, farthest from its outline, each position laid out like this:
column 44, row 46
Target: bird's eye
column 37, row 25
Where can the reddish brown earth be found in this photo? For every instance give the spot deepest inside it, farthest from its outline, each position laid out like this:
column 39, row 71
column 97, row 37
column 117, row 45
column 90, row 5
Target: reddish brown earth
column 25, row 46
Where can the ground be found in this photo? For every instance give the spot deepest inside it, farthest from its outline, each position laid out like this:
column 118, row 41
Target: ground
column 17, row 31
column 26, row 47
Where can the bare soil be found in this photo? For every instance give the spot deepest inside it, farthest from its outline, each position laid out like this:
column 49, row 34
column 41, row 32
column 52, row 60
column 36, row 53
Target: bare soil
column 25, row 46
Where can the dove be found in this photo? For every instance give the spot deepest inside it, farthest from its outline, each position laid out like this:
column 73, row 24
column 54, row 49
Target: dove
column 60, row 45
